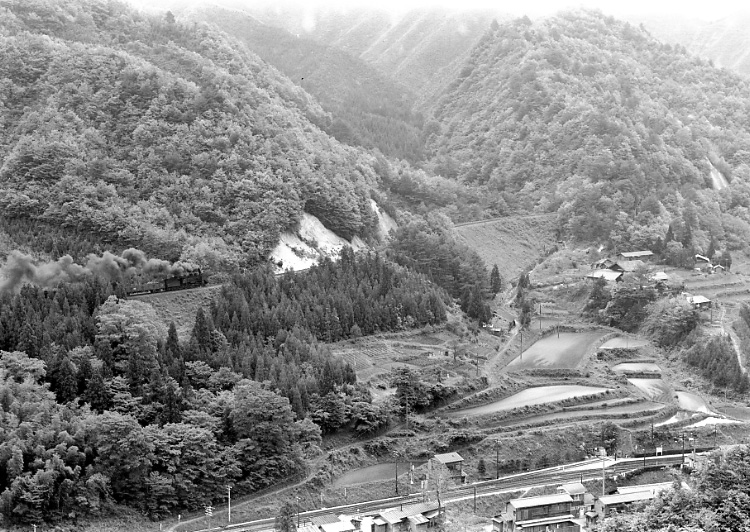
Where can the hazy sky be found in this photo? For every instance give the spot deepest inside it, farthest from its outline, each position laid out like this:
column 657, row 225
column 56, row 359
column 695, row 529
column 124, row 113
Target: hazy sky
column 703, row 9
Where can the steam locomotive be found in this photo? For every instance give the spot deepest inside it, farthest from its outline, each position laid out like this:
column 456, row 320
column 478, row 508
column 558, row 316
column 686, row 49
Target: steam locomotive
column 193, row 279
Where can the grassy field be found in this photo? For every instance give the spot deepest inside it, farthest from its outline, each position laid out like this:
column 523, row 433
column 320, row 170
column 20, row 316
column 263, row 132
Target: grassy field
column 513, row 243
column 181, row 306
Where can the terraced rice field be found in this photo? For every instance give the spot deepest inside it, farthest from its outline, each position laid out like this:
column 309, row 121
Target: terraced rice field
column 623, row 342
column 679, row 417
column 739, row 412
column 692, row 402
column 710, row 421
column 646, row 407
column 565, row 352
column 529, row 397
column 653, row 389
column 637, row 367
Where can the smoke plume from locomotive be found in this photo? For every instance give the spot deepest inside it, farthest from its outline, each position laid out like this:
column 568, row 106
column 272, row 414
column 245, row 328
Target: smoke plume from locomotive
column 20, row 268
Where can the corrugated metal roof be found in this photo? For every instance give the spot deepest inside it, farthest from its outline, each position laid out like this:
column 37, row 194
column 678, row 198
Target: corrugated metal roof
column 448, row 458
column 636, row 254
column 653, row 488
column 541, row 500
column 340, row 526
column 396, row 516
column 621, row 498
column 324, row 519
column 575, row 488
column 697, row 300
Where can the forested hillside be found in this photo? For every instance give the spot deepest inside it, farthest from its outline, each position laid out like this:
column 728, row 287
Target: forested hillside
column 101, row 403
column 138, row 130
column 594, row 119
column 367, row 108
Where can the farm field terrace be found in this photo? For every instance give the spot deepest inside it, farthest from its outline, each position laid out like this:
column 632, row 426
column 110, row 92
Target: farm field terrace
column 565, row 352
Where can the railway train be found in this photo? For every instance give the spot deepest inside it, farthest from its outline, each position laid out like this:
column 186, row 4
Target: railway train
column 193, row 279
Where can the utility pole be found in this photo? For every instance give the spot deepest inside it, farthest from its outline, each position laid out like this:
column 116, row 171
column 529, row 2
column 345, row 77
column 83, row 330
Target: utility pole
column 396, row 475
column 714, row 435
column 683, row 449
column 497, row 459
column 229, row 505
column 603, row 473
column 521, row 342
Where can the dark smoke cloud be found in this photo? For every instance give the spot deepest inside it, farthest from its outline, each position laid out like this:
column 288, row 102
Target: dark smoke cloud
column 20, row 269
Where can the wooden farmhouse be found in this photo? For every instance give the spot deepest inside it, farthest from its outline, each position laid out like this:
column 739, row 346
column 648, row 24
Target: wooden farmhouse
column 537, row 514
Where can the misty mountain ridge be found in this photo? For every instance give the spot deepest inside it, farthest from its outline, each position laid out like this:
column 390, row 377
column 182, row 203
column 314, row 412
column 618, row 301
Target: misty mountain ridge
column 367, row 107
column 724, row 41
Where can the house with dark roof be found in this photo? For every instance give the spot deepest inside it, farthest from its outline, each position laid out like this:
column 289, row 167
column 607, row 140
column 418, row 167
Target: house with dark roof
column 610, row 276
column 453, row 462
column 412, row 518
column 629, row 266
column 606, row 505
column 602, row 264
column 537, row 514
column 632, row 255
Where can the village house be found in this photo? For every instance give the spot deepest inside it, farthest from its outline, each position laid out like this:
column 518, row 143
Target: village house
column 653, row 488
column 606, row 505
column 545, row 513
column 333, row 523
column 453, row 462
column 602, row 264
column 413, row 518
column 610, row 276
column 633, row 255
column 628, row 266
column 700, row 302
column 583, row 501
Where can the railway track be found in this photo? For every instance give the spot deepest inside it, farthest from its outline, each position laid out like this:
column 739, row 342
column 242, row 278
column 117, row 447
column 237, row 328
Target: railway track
column 516, row 482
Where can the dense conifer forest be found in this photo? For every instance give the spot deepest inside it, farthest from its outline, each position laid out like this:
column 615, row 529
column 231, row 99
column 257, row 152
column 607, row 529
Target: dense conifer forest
column 97, row 396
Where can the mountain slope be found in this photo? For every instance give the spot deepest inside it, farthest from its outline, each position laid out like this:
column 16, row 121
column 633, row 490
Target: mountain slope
column 169, row 137
column 724, row 41
column 422, row 49
column 594, row 119
column 368, row 108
